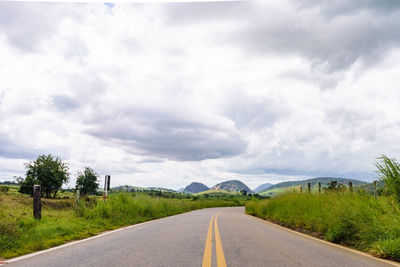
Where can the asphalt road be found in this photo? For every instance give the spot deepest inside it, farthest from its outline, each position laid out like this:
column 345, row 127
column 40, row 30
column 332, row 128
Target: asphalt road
column 210, row 237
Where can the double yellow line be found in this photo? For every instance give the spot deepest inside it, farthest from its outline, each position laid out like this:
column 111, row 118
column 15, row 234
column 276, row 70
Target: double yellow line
column 218, row 245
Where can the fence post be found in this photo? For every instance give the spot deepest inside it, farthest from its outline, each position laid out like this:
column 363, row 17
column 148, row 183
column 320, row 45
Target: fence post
column 351, row 187
column 106, row 186
column 78, row 193
column 375, row 189
column 301, row 189
column 37, row 203
column 309, row 188
column 319, row 187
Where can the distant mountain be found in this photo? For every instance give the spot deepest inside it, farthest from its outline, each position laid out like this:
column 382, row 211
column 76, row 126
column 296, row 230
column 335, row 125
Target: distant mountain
column 180, row 189
column 233, row 185
column 314, row 182
column 195, row 188
column 262, row 187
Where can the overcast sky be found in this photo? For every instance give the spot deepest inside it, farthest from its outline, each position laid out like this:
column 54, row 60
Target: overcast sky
column 166, row 94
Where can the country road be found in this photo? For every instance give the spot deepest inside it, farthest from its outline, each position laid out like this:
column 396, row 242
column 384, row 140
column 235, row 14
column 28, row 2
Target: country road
column 209, row 237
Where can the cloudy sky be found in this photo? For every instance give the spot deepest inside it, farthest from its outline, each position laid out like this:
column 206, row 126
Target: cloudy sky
column 165, row 94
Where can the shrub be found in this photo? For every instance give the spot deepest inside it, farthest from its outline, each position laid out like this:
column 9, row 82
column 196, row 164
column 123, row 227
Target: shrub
column 389, row 172
column 87, row 181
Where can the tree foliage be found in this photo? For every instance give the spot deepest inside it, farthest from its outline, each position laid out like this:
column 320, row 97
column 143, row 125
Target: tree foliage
column 334, row 186
column 389, row 172
column 48, row 171
column 87, row 181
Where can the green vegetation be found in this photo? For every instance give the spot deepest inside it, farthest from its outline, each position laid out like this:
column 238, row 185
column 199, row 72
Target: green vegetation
column 48, row 171
column 390, row 173
column 63, row 220
column 87, row 181
column 217, row 193
column 279, row 191
column 357, row 220
column 290, row 186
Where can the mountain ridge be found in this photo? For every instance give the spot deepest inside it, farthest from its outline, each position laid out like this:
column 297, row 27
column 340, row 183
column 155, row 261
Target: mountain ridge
column 195, row 187
column 262, row 187
column 232, row 185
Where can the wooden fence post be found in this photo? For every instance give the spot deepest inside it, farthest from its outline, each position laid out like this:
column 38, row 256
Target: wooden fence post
column 375, row 189
column 106, row 186
column 309, row 188
column 37, row 203
column 351, row 187
column 319, row 187
column 78, row 193
column 301, row 189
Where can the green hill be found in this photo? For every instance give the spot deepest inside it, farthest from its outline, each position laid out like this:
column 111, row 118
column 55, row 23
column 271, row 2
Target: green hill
column 232, row 185
column 262, row 187
column 295, row 185
column 195, row 188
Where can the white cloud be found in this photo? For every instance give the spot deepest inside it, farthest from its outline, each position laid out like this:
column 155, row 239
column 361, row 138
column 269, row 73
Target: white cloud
column 164, row 94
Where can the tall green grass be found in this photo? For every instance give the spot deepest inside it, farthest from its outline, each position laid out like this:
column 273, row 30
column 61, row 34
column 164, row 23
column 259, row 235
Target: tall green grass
column 63, row 221
column 357, row 220
column 125, row 208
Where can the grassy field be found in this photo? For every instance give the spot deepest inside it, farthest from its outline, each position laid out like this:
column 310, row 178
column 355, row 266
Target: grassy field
column 63, row 220
column 357, row 220
column 217, row 192
column 279, row 191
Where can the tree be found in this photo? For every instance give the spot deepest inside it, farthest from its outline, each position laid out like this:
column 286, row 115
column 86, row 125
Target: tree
column 243, row 192
column 48, row 171
column 334, row 186
column 389, row 172
column 87, row 181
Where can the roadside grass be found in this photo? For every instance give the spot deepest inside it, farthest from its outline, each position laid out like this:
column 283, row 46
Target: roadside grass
column 357, row 220
column 217, row 192
column 63, row 221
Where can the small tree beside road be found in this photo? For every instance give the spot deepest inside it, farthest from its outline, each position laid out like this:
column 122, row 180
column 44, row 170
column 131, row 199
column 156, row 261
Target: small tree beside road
column 87, row 181
column 48, row 171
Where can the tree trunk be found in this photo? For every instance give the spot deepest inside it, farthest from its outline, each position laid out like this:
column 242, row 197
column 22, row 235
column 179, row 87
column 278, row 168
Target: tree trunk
column 55, row 193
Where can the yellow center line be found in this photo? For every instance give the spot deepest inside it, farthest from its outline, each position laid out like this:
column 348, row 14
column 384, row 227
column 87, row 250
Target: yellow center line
column 218, row 245
column 208, row 247
column 207, row 258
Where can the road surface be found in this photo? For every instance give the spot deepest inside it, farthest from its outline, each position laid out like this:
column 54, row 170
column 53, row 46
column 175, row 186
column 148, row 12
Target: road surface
column 209, row 237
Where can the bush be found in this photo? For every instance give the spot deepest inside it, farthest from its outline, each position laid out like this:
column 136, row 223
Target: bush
column 87, row 181
column 389, row 170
